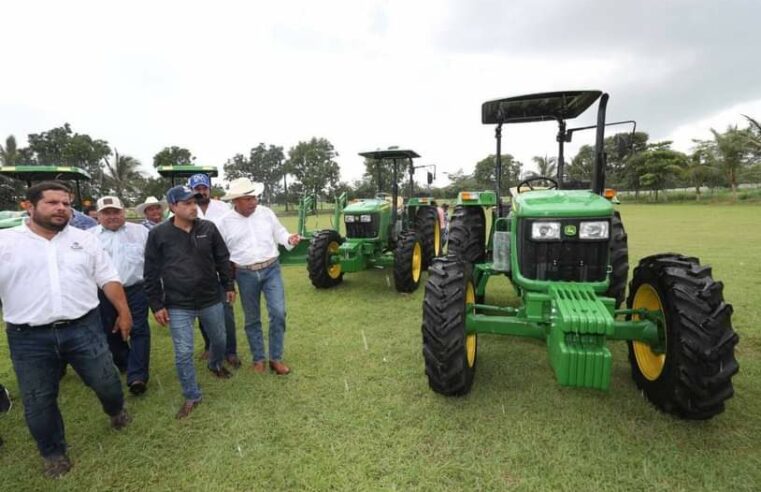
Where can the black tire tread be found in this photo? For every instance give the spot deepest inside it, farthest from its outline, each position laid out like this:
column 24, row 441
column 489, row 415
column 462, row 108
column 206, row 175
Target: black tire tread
column 619, row 260
column 403, row 280
column 317, row 259
column 467, row 234
column 426, row 220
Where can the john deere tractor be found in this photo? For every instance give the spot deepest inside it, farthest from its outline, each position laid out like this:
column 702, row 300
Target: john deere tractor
column 380, row 232
column 565, row 253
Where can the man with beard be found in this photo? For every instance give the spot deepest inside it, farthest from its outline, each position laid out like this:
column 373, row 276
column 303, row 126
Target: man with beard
column 213, row 210
column 125, row 244
column 153, row 211
column 185, row 261
column 49, row 289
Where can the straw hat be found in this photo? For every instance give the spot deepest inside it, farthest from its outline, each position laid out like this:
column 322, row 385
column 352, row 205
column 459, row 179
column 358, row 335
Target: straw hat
column 243, row 187
column 151, row 200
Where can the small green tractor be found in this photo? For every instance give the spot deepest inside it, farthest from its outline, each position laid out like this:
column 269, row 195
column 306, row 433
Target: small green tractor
column 32, row 174
column 380, row 232
column 565, row 252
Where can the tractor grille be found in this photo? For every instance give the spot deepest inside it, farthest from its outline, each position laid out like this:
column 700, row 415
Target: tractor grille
column 568, row 259
column 363, row 229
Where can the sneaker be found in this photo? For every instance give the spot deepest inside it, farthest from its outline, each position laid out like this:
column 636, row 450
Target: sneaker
column 234, row 361
column 186, row 408
column 221, row 373
column 5, row 399
column 137, row 388
column 57, row 466
column 120, row 420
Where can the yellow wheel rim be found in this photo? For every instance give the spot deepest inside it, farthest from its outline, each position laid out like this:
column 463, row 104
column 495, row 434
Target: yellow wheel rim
column 334, row 271
column 650, row 364
column 417, row 261
column 437, row 238
column 470, row 339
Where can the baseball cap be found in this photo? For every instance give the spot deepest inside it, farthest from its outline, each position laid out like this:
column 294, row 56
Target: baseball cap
column 199, row 179
column 109, row 202
column 180, row 194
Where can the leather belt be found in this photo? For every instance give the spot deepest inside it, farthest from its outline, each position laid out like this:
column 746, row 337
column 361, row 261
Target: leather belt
column 55, row 324
column 258, row 266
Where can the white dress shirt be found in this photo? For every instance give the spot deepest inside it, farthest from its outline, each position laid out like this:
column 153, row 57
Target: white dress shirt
column 253, row 239
column 126, row 247
column 214, row 211
column 43, row 281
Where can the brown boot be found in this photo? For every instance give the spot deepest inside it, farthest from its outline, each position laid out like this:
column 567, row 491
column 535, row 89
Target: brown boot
column 233, row 361
column 120, row 420
column 57, row 466
column 186, row 408
column 279, row 368
column 258, row 366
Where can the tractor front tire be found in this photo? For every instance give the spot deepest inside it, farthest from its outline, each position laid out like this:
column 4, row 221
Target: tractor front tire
column 692, row 377
column 429, row 230
column 619, row 260
column 408, row 262
column 467, row 234
column 322, row 272
column 450, row 353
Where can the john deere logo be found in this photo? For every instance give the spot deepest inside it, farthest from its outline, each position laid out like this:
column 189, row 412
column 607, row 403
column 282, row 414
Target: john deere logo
column 569, row 230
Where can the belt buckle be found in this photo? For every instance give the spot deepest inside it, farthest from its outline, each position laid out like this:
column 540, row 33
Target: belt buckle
column 60, row 324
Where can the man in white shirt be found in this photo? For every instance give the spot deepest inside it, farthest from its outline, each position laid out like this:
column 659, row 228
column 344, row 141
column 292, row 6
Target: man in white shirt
column 49, row 290
column 125, row 244
column 252, row 233
column 213, row 210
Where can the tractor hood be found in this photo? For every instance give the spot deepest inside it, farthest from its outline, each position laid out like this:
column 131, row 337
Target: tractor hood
column 367, row 206
column 561, row 203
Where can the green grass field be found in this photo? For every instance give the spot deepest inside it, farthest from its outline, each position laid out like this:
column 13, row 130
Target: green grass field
column 357, row 414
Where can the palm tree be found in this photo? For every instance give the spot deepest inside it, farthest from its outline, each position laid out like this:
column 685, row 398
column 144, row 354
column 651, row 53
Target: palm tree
column 546, row 165
column 754, row 136
column 9, row 155
column 733, row 152
column 122, row 174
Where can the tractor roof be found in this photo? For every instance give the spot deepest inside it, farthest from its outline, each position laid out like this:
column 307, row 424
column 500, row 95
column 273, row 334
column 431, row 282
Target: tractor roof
column 44, row 173
column 545, row 106
column 389, row 154
column 187, row 171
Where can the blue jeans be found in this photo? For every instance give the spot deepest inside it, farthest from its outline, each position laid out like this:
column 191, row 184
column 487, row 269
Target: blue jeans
column 232, row 343
column 181, row 325
column 38, row 354
column 251, row 285
column 134, row 357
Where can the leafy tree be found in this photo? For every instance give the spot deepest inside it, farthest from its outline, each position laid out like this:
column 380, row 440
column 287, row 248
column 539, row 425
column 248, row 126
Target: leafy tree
column 582, row 165
column 10, row 190
column 618, row 149
column 9, row 154
column 754, row 135
column 313, row 165
column 460, row 181
column 733, row 153
column 379, row 174
column 122, row 173
column 264, row 164
column 173, row 156
column 484, row 175
column 149, row 186
column 659, row 165
column 547, row 166
column 702, row 167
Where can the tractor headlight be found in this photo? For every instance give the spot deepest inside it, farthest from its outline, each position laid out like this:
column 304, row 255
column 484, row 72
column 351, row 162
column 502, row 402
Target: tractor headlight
column 544, row 231
column 349, row 219
column 594, row 230
column 365, row 218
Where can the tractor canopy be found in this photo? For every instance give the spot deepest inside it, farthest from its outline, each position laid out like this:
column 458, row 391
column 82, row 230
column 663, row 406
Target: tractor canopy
column 44, row 173
column 545, row 106
column 175, row 172
column 561, row 203
column 390, row 154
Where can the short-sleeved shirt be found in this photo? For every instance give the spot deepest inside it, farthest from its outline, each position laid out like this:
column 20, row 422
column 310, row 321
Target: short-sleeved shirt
column 47, row 280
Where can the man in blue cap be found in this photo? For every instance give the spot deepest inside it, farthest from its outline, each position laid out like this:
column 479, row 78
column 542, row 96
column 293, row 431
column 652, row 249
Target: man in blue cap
column 213, row 210
column 185, row 261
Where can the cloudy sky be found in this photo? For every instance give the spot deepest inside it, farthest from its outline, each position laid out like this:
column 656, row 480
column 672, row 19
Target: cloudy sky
column 220, row 77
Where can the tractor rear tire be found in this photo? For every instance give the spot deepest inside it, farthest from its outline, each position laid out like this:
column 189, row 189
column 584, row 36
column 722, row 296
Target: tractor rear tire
column 467, row 234
column 693, row 377
column 321, row 272
column 429, row 230
column 408, row 262
column 619, row 260
column 450, row 353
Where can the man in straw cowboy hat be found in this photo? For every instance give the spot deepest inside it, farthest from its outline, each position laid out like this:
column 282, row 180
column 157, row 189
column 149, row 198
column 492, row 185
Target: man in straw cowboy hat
column 153, row 211
column 252, row 233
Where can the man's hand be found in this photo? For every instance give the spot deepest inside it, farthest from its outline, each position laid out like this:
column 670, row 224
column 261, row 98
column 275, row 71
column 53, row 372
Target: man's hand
column 230, row 297
column 162, row 317
column 123, row 325
column 294, row 239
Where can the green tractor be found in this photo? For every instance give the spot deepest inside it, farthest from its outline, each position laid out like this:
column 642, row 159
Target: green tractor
column 380, row 232
column 565, row 253
column 32, row 174
column 299, row 255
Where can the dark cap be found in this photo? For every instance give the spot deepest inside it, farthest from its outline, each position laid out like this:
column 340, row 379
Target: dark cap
column 180, row 194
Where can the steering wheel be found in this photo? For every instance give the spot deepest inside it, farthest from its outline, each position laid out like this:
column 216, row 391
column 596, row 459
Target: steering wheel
column 527, row 182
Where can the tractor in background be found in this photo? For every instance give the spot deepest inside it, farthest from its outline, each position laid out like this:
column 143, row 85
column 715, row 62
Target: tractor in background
column 565, row 252
column 380, row 232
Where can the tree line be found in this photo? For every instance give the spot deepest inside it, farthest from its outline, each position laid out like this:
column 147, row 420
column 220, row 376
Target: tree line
column 634, row 163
